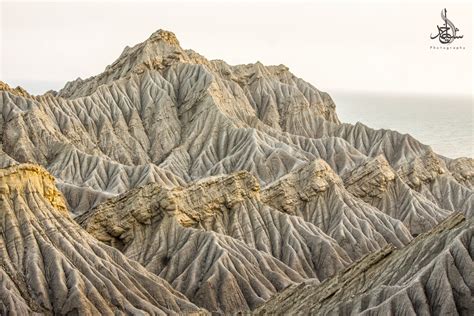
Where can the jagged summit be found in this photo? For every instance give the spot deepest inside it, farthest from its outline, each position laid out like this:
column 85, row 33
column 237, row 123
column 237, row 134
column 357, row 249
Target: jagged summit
column 159, row 51
column 166, row 36
column 17, row 91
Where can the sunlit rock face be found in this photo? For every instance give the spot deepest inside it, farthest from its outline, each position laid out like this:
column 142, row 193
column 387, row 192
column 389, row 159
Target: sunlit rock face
column 50, row 265
column 218, row 185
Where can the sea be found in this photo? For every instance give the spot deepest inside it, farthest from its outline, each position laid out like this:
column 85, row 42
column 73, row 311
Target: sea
column 444, row 122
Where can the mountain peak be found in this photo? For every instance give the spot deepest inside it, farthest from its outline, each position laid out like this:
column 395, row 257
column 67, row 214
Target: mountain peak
column 166, row 36
column 235, row 182
column 27, row 178
column 18, row 90
column 159, row 51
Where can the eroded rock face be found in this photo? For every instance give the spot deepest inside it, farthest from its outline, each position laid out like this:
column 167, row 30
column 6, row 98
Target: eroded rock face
column 217, row 232
column 463, row 171
column 18, row 90
column 163, row 114
column 378, row 184
column 370, row 180
column 432, row 275
column 229, row 182
column 315, row 193
column 50, row 265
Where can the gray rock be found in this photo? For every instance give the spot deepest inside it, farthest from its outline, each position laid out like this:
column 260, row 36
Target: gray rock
column 433, row 275
column 50, row 265
column 216, row 241
column 230, row 182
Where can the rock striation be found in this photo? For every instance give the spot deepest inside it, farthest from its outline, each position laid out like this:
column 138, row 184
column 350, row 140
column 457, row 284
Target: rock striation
column 376, row 183
column 216, row 241
column 163, row 114
column 218, row 186
column 50, row 265
column 432, row 275
column 315, row 193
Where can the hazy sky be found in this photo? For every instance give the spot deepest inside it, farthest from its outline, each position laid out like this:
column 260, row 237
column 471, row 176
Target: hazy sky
column 337, row 45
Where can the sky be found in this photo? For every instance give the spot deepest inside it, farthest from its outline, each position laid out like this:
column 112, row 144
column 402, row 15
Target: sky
column 364, row 46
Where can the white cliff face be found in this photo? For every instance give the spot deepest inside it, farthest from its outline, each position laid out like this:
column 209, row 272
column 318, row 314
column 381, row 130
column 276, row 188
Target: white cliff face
column 316, row 194
column 229, row 182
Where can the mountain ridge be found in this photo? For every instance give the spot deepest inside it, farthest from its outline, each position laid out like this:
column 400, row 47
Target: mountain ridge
column 49, row 265
column 223, row 185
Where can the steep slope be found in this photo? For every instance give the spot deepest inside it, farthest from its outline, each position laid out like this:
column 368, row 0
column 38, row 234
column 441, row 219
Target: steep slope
column 215, row 241
column 378, row 184
column 315, row 193
column 161, row 113
column 449, row 194
column 432, row 275
column 48, row 264
column 462, row 170
column 161, row 49
column 164, row 153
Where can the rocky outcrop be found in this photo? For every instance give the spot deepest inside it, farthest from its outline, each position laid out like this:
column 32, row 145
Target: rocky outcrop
column 218, row 233
column 50, row 265
column 229, row 182
column 17, row 91
column 378, row 184
column 315, row 193
column 462, row 170
column 432, row 275
column 371, row 179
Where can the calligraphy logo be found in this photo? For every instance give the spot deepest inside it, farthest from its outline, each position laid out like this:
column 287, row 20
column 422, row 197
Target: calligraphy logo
column 447, row 32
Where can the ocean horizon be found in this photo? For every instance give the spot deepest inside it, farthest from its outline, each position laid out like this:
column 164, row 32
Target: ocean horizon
column 443, row 122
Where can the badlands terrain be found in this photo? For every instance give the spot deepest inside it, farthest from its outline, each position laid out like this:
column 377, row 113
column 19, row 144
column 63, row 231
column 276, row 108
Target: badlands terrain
column 170, row 183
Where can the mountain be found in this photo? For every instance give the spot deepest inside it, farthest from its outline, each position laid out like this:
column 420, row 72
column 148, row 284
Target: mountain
column 219, row 185
column 216, row 241
column 432, row 275
column 49, row 265
column 163, row 114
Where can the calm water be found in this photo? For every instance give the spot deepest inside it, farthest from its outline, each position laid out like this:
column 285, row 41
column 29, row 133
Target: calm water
column 444, row 123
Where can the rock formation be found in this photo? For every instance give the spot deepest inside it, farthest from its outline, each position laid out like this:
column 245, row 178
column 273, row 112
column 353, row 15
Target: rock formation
column 227, row 183
column 316, row 194
column 376, row 183
column 216, row 241
column 49, row 265
column 432, row 275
